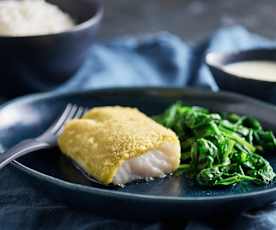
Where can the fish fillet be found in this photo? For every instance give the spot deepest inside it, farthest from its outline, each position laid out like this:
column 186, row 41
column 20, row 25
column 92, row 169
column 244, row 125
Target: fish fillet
column 119, row 144
column 154, row 163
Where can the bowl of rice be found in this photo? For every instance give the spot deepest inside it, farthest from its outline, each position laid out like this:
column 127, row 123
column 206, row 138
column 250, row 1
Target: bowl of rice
column 44, row 42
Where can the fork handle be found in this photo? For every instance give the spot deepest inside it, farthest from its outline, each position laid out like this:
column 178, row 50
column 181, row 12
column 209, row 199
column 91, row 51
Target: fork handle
column 21, row 149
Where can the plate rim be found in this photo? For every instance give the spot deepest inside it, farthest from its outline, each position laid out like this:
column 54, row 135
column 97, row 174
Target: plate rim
column 120, row 194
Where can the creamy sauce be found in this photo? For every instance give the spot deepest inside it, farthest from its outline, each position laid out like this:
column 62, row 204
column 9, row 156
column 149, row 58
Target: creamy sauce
column 32, row 17
column 261, row 70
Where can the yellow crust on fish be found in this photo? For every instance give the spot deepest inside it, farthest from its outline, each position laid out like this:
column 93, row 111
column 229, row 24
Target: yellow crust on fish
column 107, row 136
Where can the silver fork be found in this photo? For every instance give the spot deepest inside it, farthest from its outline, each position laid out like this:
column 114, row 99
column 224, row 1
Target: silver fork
column 45, row 140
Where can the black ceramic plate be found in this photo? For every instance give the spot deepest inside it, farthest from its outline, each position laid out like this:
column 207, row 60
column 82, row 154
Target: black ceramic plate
column 163, row 198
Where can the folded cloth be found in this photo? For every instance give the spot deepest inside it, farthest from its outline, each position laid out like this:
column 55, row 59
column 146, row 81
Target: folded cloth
column 156, row 60
column 153, row 60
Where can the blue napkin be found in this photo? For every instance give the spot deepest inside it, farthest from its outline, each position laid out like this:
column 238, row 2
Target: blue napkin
column 158, row 60
column 155, row 60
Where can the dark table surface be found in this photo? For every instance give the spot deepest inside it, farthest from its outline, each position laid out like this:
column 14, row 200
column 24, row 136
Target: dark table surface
column 192, row 20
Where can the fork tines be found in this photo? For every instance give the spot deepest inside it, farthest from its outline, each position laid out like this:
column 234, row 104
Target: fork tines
column 70, row 112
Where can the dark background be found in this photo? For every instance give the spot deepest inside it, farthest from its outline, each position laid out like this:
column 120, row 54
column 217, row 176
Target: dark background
column 192, row 20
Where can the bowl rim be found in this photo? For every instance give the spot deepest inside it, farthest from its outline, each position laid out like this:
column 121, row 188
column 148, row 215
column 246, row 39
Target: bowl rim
column 92, row 21
column 216, row 60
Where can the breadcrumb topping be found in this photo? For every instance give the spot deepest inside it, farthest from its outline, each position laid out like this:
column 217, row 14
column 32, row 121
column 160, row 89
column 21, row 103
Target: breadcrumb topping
column 107, row 136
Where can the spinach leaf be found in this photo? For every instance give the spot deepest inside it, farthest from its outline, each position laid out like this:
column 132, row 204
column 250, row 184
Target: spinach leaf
column 220, row 149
